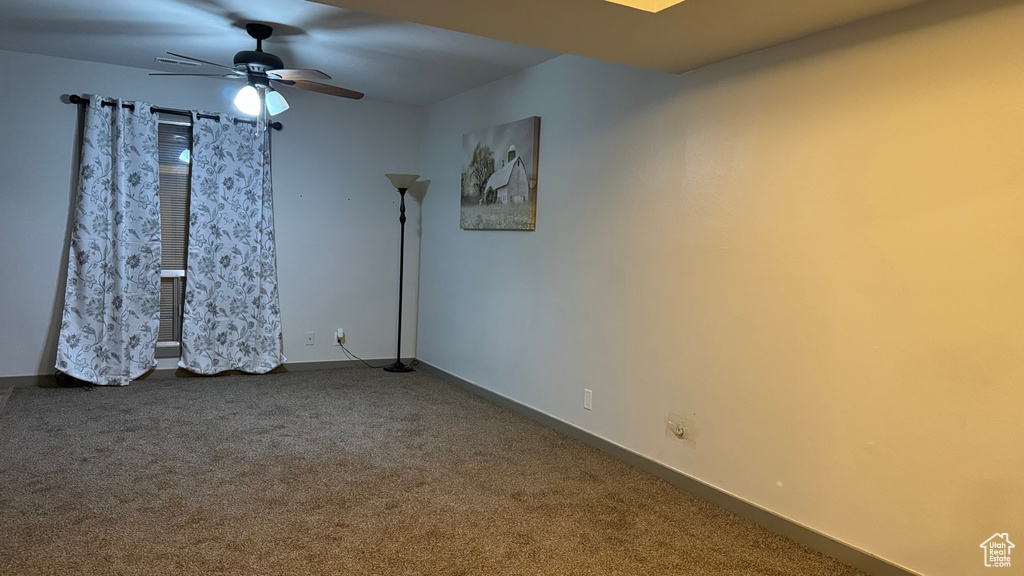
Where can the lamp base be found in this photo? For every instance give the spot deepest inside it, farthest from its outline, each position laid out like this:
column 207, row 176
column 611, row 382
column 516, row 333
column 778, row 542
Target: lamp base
column 397, row 366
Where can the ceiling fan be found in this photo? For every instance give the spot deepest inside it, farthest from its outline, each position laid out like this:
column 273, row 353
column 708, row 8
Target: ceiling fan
column 263, row 73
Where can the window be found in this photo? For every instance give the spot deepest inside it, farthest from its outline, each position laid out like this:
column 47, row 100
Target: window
column 175, row 146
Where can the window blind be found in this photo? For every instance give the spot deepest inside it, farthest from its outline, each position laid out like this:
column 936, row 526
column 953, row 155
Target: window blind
column 175, row 144
column 175, row 148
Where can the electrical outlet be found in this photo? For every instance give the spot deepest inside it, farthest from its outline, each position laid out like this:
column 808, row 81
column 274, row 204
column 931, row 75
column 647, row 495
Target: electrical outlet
column 309, row 338
column 588, row 399
column 339, row 336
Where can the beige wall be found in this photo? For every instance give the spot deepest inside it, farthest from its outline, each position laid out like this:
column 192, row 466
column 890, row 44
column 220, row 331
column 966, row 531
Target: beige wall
column 815, row 251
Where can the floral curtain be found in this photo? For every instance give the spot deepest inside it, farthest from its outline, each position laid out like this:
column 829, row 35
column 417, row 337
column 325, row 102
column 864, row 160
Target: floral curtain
column 232, row 317
column 112, row 303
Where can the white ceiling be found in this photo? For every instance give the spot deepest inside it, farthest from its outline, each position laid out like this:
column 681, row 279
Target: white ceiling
column 386, row 59
column 685, row 36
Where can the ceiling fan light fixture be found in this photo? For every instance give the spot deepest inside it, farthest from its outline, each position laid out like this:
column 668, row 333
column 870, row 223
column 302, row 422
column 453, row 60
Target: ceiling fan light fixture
column 248, row 101
column 258, row 69
column 275, row 102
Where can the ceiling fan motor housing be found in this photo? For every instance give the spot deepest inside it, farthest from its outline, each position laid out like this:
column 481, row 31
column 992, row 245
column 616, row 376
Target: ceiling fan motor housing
column 257, row 61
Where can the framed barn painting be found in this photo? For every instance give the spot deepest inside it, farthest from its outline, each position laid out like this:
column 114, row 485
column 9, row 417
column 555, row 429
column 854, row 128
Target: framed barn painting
column 499, row 177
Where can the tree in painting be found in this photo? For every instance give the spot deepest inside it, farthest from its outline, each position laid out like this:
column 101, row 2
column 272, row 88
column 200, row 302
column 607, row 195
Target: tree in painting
column 474, row 179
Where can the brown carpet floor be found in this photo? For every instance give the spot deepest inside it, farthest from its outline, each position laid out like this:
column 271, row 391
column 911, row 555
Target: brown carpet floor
column 347, row 471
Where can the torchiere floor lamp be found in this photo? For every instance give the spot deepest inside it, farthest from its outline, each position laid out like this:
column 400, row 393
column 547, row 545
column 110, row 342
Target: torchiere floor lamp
column 403, row 182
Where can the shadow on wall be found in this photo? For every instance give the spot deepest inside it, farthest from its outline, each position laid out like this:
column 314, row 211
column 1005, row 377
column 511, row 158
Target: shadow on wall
column 418, row 192
column 48, row 360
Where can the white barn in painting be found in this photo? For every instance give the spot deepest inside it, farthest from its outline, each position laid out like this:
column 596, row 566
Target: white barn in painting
column 510, row 183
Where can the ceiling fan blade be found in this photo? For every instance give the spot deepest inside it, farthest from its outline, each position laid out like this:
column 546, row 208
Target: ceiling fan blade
column 298, row 74
column 187, row 74
column 202, row 61
column 325, row 89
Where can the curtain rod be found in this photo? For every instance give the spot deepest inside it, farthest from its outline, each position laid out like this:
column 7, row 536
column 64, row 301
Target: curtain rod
column 76, row 99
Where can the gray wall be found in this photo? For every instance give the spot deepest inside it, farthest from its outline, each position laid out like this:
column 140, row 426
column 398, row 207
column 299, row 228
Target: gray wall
column 813, row 252
column 337, row 216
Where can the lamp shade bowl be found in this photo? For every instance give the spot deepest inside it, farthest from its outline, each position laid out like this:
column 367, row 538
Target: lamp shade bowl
column 402, row 181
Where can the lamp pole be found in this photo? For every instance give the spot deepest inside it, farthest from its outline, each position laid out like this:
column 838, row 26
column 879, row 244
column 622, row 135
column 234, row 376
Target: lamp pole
column 402, row 182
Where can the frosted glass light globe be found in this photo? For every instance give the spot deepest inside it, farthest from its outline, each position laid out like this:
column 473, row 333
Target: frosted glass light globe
column 248, row 101
column 275, row 102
